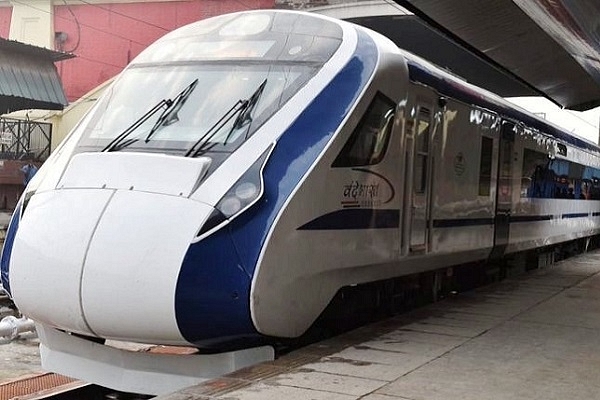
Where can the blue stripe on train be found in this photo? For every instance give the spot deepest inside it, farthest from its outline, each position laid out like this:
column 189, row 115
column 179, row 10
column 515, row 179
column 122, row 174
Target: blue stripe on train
column 212, row 293
column 9, row 241
column 355, row 218
column 367, row 218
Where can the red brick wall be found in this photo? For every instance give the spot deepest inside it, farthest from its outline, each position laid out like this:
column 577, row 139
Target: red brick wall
column 110, row 35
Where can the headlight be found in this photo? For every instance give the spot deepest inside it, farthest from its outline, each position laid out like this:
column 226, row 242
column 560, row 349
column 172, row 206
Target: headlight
column 230, row 206
column 246, row 191
column 241, row 196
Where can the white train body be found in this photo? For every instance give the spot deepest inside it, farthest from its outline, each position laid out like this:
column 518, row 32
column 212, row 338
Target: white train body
column 346, row 161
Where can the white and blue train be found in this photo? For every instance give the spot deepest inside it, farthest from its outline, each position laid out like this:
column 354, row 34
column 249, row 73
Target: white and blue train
column 244, row 169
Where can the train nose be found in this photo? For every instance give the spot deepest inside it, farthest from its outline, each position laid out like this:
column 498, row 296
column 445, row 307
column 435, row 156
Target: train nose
column 103, row 261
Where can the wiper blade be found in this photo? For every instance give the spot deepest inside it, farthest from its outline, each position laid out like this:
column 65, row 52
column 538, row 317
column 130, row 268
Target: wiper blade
column 244, row 117
column 243, row 107
column 119, row 141
column 169, row 115
column 213, row 130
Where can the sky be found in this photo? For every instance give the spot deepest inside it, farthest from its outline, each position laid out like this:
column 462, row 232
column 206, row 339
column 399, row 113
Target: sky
column 582, row 124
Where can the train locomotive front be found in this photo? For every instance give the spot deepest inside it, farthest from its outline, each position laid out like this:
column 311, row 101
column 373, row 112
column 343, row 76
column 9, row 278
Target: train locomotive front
column 148, row 222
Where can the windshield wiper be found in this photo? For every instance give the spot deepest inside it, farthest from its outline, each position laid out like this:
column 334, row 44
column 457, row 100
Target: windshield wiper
column 244, row 117
column 242, row 107
column 168, row 116
column 119, row 142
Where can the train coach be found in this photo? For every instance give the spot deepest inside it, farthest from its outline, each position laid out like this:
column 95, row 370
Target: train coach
column 245, row 169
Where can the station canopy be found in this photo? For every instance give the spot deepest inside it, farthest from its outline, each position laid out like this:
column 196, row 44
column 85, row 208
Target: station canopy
column 28, row 77
column 531, row 47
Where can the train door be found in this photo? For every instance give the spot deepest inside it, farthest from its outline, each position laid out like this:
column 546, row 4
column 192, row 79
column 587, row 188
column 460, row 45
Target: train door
column 418, row 173
column 504, row 192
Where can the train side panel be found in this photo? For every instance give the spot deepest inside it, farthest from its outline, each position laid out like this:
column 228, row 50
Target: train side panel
column 341, row 225
column 460, row 176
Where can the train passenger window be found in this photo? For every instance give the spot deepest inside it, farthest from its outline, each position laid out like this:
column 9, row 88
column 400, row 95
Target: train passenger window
column 369, row 141
column 485, row 166
column 540, row 176
column 548, row 178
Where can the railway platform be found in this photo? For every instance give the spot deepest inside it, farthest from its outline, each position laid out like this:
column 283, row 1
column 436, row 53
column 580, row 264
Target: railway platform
column 535, row 336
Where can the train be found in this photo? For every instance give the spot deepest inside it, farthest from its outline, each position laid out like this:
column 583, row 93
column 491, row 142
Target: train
column 245, row 169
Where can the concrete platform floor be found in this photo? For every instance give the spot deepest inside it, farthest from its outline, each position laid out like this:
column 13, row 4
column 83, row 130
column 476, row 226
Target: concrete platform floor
column 19, row 358
column 536, row 336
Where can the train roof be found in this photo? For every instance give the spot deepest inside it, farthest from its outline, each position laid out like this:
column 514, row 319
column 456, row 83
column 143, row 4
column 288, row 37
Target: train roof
column 445, row 83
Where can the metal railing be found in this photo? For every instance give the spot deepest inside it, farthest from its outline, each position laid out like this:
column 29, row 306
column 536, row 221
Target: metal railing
column 24, row 139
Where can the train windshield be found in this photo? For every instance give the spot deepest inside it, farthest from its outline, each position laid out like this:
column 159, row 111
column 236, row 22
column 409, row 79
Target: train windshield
column 195, row 93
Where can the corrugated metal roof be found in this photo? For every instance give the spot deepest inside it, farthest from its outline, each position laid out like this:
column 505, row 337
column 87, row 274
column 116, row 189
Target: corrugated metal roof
column 553, row 45
column 28, row 77
column 38, row 52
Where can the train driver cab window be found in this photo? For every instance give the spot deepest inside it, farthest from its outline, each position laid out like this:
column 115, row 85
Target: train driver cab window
column 369, row 141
